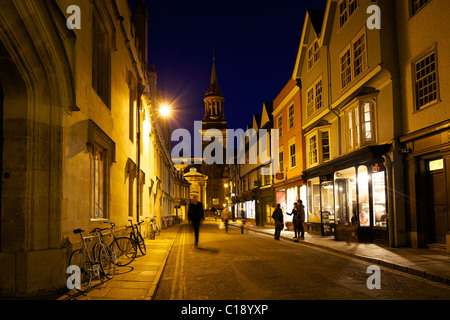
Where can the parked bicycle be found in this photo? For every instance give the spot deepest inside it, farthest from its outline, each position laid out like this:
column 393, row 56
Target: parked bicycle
column 100, row 264
column 154, row 231
column 136, row 235
column 124, row 248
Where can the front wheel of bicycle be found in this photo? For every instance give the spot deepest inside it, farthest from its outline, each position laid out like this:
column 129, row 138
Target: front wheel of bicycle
column 79, row 258
column 106, row 258
column 125, row 250
column 141, row 244
column 152, row 234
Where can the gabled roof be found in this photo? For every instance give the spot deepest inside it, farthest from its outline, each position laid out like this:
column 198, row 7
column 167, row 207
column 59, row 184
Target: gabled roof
column 256, row 121
column 266, row 116
column 319, row 20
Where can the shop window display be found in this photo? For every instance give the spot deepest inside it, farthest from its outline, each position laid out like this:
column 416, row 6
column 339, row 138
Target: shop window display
column 327, row 205
column 363, row 194
column 314, row 200
column 345, row 196
column 379, row 199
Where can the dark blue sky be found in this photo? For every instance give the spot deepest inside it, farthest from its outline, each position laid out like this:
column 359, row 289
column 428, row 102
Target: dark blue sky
column 255, row 45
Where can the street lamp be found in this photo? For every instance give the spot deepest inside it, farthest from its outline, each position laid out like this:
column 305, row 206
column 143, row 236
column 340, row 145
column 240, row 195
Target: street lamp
column 164, row 110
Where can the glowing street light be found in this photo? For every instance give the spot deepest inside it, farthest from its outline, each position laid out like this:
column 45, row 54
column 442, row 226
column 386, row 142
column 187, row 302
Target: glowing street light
column 165, row 110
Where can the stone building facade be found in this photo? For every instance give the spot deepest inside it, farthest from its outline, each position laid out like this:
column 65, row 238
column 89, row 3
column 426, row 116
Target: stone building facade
column 81, row 140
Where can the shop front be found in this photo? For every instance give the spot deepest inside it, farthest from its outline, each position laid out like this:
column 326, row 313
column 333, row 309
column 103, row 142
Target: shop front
column 346, row 197
column 427, row 161
column 286, row 195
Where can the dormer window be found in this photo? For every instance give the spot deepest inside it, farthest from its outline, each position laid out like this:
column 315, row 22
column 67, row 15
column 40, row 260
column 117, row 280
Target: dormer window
column 313, row 54
column 346, row 10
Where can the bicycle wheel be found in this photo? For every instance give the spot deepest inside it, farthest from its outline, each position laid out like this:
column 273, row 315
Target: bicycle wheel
column 157, row 230
column 125, row 250
column 141, row 244
column 106, row 258
column 80, row 259
column 152, row 234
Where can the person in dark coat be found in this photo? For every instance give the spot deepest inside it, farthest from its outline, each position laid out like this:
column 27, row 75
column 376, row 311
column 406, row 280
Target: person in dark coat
column 196, row 214
column 301, row 219
column 277, row 216
column 295, row 221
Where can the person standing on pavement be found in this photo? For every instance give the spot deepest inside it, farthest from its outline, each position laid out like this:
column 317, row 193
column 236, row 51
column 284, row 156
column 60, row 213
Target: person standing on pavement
column 277, row 216
column 295, row 221
column 225, row 217
column 301, row 219
column 196, row 215
column 243, row 218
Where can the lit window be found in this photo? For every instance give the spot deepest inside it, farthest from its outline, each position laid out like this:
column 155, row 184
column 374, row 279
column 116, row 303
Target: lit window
column 360, row 125
column 313, row 150
column 325, row 146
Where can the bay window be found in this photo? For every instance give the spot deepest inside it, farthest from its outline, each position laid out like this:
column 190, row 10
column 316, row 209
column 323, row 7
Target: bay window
column 359, row 120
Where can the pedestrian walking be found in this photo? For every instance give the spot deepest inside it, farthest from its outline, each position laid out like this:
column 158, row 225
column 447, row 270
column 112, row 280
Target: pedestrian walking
column 226, row 213
column 196, row 215
column 295, row 220
column 301, row 219
column 277, row 216
column 243, row 218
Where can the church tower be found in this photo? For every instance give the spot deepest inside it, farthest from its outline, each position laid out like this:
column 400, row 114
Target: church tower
column 214, row 103
column 214, row 118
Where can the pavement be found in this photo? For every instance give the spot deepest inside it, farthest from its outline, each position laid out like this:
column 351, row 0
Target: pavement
column 140, row 279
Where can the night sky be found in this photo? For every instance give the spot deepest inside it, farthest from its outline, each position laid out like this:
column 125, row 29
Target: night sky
column 255, row 44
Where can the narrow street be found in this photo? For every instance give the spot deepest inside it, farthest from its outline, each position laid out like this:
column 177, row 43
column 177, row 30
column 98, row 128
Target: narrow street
column 252, row 266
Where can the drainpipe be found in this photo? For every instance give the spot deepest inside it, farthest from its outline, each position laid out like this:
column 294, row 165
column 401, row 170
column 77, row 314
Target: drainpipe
column 390, row 198
column 330, row 99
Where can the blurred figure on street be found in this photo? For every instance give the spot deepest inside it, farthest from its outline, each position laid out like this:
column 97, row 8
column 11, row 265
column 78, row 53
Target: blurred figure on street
column 196, row 215
column 226, row 214
column 277, row 216
column 243, row 218
column 301, row 219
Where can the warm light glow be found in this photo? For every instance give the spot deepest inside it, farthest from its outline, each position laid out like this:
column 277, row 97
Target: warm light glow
column 226, row 185
column 165, row 110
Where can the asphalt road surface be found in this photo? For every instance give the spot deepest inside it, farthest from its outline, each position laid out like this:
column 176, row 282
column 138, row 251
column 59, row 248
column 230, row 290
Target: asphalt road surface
column 253, row 266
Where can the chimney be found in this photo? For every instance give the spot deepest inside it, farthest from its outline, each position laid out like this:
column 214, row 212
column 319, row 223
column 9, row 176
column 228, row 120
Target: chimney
column 141, row 24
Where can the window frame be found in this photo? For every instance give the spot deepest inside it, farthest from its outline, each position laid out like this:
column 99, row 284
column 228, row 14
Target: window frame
column 99, row 141
column 349, row 49
column 317, row 134
column 291, row 117
column 312, row 100
column 280, row 125
column 347, row 12
column 313, row 54
column 292, row 154
column 432, row 51
column 412, row 10
column 356, row 134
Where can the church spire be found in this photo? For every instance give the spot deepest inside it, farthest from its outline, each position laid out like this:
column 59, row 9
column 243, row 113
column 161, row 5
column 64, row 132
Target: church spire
column 214, row 85
column 214, row 99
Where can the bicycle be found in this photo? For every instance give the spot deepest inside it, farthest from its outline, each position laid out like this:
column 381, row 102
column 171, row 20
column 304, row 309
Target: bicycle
column 90, row 266
column 155, row 231
column 136, row 236
column 124, row 248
